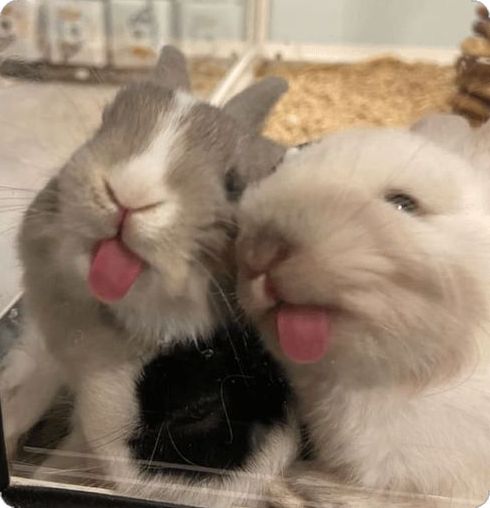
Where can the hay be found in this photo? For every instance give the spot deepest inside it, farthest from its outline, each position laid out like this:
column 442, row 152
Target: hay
column 206, row 74
column 329, row 97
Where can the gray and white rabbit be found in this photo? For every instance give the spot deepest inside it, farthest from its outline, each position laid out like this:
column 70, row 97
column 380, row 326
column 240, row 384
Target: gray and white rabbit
column 365, row 262
column 128, row 271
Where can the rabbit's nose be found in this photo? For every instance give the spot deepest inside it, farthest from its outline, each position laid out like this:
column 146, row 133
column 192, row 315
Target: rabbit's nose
column 135, row 196
column 264, row 291
column 124, row 211
column 259, row 259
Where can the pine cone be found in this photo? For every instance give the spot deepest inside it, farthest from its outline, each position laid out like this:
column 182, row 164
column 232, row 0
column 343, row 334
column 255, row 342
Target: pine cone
column 473, row 71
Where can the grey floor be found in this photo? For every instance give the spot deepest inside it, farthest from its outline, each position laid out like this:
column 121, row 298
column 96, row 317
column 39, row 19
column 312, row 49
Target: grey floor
column 40, row 125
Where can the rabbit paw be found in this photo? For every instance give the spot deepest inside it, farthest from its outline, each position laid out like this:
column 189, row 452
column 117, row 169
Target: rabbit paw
column 29, row 380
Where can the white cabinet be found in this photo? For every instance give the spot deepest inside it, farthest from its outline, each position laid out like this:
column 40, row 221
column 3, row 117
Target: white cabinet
column 138, row 28
column 76, row 32
column 20, row 30
column 212, row 20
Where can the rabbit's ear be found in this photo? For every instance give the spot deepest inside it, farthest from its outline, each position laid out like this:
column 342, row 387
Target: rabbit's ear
column 257, row 157
column 449, row 131
column 251, row 106
column 441, row 124
column 171, row 69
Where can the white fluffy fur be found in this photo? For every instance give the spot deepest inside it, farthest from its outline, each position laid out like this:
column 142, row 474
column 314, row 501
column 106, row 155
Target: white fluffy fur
column 24, row 369
column 401, row 402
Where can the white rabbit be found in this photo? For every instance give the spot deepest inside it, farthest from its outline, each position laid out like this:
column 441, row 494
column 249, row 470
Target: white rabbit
column 365, row 262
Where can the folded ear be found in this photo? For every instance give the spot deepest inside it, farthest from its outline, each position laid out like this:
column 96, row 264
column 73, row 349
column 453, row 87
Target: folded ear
column 259, row 157
column 268, row 155
column 171, row 69
column 251, row 106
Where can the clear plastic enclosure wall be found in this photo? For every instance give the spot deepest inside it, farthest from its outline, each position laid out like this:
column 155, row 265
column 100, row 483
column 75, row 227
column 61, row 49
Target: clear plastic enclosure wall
column 349, row 63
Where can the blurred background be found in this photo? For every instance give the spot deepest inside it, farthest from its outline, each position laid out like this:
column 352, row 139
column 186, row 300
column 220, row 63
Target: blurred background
column 425, row 23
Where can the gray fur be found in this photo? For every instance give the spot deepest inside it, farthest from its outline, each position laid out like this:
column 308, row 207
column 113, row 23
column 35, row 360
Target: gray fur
column 171, row 69
column 99, row 348
column 129, row 121
column 212, row 143
column 252, row 106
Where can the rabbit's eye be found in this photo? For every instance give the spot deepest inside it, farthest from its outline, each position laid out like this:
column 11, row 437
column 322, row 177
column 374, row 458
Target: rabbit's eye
column 6, row 24
column 234, row 185
column 402, row 202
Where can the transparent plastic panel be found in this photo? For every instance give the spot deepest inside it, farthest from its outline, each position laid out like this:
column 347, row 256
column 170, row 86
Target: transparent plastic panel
column 217, row 291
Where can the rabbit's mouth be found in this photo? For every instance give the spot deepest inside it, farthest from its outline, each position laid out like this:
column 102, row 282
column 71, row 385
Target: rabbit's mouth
column 114, row 269
column 303, row 331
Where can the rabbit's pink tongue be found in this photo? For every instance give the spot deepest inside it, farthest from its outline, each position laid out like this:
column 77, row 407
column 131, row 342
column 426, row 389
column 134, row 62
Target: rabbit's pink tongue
column 304, row 332
column 113, row 271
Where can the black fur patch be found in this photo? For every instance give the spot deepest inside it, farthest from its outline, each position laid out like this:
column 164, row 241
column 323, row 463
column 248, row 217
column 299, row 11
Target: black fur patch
column 234, row 185
column 202, row 405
